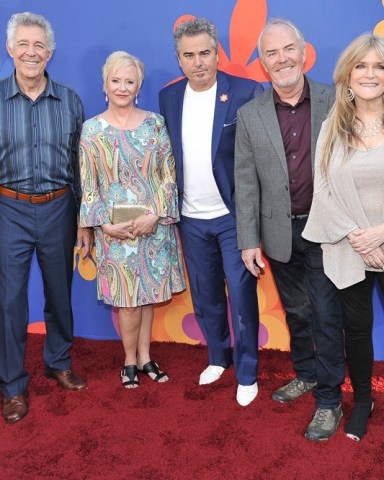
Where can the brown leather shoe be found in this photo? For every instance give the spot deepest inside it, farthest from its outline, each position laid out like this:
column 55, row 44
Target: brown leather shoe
column 15, row 408
column 67, row 380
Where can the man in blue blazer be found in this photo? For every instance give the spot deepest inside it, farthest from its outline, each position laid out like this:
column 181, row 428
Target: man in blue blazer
column 200, row 112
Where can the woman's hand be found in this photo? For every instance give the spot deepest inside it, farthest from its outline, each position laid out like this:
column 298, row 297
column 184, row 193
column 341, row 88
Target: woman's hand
column 121, row 231
column 365, row 240
column 374, row 259
column 145, row 225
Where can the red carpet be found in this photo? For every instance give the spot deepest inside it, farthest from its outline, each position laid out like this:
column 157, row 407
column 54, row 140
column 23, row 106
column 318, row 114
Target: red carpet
column 178, row 430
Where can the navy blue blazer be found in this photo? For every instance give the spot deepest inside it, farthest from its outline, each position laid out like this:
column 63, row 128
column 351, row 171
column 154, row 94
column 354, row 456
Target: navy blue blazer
column 232, row 93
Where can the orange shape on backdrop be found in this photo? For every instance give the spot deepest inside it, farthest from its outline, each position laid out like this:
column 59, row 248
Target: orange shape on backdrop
column 379, row 29
column 86, row 266
column 169, row 316
column 37, row 327
column 248, row 19
column 278, row 333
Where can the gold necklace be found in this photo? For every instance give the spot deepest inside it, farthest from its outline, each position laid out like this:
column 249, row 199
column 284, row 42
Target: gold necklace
column 368, row 129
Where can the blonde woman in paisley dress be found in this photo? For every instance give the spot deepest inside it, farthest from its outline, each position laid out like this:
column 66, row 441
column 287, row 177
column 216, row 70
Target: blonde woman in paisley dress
column 126, row 159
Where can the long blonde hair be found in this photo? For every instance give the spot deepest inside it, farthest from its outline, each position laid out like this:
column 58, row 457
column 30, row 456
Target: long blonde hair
column 343, row 113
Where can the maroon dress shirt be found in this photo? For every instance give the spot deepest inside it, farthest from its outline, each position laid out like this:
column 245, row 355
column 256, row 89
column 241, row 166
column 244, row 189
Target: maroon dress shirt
column 295, row 126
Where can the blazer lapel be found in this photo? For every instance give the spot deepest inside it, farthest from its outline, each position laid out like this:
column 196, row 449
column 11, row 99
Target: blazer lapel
column 271, row 123
column 223, row 100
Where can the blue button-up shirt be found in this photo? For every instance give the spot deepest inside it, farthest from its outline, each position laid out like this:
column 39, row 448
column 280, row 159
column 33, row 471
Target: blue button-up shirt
column 39, row 139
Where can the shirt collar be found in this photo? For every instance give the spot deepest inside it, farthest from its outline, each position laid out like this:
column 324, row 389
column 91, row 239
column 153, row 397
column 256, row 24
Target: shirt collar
column 13, row 88
column 304, row 95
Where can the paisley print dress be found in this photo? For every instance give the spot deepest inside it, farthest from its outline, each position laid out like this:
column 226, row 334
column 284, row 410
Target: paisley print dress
column 132, row 167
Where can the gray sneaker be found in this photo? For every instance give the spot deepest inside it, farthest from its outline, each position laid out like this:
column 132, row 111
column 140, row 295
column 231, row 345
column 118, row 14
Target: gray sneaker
column 324, row 423
column 292, row 390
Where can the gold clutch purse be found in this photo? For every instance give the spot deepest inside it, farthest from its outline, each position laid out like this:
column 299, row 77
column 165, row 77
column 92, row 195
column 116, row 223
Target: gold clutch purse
column 126, row 213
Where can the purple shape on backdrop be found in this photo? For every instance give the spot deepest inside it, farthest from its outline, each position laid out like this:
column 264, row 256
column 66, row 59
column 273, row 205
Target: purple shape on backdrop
column 192, row 330
column 263, row 335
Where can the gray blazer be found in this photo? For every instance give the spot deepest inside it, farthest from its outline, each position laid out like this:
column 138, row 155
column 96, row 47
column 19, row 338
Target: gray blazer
column 263, row 202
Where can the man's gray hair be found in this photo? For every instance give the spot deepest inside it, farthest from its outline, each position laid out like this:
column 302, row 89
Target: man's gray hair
column 30, row 19
column 193, row 27
column 280, row 21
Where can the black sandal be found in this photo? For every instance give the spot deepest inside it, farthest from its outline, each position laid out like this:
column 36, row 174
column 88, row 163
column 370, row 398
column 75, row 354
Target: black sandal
column 152, row 367
column 131, row 372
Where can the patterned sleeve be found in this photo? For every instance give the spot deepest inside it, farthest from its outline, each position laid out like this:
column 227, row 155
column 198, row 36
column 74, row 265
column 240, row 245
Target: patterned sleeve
column 93, row 211
column 165, row 203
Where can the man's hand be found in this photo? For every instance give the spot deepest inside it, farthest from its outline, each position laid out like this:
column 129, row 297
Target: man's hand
column 253, row 260
column 85, row 239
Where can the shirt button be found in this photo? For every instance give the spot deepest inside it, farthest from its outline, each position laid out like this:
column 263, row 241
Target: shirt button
column 294, row 157
column 293, row 111
column 286, row 187
column 294, row 134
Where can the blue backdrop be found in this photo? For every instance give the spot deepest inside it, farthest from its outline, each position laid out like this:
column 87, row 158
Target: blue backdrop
column 87, row 31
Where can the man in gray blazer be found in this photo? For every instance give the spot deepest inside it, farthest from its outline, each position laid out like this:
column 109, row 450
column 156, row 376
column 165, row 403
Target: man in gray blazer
column 275, row 145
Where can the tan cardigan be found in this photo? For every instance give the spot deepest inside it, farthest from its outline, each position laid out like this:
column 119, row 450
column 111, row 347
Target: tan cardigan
column 335, row 212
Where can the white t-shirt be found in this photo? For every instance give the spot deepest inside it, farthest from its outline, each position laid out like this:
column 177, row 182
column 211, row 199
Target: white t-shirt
column 202, row 198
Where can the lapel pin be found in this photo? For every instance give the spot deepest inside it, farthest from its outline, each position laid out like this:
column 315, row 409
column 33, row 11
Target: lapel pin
column 224, row 97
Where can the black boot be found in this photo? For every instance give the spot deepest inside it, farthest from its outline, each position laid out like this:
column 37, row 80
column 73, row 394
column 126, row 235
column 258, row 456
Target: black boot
column 356, row 427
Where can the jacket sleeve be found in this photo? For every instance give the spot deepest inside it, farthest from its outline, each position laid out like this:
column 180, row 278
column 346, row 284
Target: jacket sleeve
column 329, row 220
column 247, row 195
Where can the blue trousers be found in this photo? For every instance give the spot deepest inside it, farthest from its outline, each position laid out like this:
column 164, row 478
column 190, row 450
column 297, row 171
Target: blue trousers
column 313, row 315
column 213, row 261
column 49, row 229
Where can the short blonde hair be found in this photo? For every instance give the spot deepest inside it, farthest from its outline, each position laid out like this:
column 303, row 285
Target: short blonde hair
column 119, row 59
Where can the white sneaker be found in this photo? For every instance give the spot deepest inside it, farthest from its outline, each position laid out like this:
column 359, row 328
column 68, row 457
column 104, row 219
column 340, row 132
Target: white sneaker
column 246, row 394
column 211, row 374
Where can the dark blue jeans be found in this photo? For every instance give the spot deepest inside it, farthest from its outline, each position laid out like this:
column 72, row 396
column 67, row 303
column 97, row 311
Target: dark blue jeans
column 313, row 316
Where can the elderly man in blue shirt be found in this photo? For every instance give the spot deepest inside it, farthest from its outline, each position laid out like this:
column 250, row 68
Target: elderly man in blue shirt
column 40, row 123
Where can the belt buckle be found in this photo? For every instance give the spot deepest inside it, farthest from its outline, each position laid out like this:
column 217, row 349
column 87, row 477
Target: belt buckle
column 299, row 217
column 31, row 197
column 46, row 197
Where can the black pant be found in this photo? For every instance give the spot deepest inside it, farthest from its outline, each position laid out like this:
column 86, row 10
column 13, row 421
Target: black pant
column 357, row 307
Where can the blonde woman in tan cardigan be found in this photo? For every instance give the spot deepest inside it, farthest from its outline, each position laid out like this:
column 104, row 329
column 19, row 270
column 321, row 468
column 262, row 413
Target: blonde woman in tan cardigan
column 347, row 213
